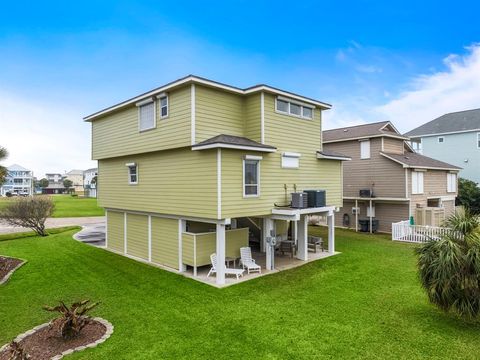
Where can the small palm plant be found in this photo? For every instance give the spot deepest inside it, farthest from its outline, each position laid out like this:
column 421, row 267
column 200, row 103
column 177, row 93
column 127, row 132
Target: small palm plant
column 450, row 267
column 73, row 318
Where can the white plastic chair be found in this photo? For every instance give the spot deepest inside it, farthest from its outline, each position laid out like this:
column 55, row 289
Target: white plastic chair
column 228, row 271
column 248, row 261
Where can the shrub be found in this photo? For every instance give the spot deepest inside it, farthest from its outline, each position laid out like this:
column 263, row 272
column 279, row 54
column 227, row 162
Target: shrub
column 17, row 352
column 29, row 212
column 73, row 318
column 449, row 268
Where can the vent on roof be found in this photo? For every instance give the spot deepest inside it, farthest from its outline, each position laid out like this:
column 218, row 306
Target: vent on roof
column 345, row 130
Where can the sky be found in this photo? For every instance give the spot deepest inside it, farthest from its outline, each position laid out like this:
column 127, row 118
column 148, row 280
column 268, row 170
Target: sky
column 407, row 62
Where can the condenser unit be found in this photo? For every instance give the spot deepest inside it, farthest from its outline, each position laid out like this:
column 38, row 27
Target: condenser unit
column 299, row 200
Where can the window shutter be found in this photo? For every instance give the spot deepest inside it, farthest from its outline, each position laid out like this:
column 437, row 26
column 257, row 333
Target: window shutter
column 147, row 116
column 365, row 149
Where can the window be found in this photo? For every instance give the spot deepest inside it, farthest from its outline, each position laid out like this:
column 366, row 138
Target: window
column 251, row 177
column 417, row 182
column 146, row 116
column 365, row 149
column 132, row 173
column 290, row 160
column 294, row 108
column 441, row 139
column 163, row 106
column 451, row 182
column 417, row 146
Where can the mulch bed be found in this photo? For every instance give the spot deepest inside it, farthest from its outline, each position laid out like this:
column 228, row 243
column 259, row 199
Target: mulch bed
column 47, row 343
column 7, row 264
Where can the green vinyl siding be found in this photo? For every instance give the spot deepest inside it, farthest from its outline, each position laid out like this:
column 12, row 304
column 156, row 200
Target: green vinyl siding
column 137, row 235
column 252, row 113
column 206, row 245
column 180, row 182
column 117, row 134
column 165, row 242
column 115, row 230
column 217, row 112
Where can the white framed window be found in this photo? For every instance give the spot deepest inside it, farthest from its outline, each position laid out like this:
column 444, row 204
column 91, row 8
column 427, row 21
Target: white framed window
column 365, row 149
column 417, row 182
column 451, row 182
column 251, row 176
column 293, row 108
column 478, row 140
column 290, row 160
column 441, row 139
column 146, row 115
column 163, row 106
column 132, row 173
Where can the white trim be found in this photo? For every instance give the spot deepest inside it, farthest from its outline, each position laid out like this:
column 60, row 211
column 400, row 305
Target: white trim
column 230, row 146
column 125, row 232
column 181, row 230
column 195, row 79
column 106, row 228
column 291, row 154
column 328, row 157
column 131, row 164
column 444, row 133
column 253, row 157
column 262, row 117
column 130, row 182
column 149, row 238
column 406, row 182
column 144, row 102
column 383, row 145
column 219, row 183
column 160, row 97
column 478, row 140
column 192, row 114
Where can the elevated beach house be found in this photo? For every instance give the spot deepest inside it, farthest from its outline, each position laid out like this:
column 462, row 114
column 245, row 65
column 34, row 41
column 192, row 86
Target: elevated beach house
column 386, row 181
column 197, row 167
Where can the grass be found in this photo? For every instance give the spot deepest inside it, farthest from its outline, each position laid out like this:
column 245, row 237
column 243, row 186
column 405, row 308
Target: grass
column 69, row 206
column 20, row 235
column 363, row 303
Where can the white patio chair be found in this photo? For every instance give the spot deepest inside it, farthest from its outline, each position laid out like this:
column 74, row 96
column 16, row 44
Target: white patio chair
column 228, row 271
column 248, row 261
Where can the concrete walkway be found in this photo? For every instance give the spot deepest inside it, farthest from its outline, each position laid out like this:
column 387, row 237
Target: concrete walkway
column 92, row 234
column 57, row 222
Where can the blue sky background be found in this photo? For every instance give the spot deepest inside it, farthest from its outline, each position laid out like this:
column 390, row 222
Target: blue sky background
column 60, row 61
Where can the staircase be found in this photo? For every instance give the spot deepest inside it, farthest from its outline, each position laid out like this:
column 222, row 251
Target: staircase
column 255, row 230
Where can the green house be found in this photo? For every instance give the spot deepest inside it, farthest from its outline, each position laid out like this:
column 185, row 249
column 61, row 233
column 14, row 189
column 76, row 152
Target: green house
column 197, row 167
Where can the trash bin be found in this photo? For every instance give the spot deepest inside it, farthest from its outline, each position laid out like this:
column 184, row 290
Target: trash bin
column 374, row 225
column 364, row 225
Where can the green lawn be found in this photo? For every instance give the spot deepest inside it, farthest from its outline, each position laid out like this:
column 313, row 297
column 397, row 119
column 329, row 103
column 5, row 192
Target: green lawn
column 69, row 206
column 363, row 303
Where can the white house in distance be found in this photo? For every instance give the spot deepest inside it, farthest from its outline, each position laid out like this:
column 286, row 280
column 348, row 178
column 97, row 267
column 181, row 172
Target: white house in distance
column 90, row 188
column 19, row 181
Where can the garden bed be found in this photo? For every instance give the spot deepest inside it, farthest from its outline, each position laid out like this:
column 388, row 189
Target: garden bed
column 8, row 265
column 44, row 341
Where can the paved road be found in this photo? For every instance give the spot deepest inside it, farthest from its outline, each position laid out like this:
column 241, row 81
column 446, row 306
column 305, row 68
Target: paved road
column 59, row 222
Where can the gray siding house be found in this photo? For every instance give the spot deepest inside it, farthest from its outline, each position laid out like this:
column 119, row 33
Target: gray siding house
column 386, row 180
column 453, row 138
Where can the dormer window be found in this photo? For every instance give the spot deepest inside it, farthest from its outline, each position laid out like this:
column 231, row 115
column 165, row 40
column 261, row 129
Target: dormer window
column 294, row 108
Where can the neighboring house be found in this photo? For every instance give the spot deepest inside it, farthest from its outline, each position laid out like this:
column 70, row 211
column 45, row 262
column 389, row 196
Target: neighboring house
column 387, row 181
column 197, row 167
column 19, row 181
column 90, row 187
column 453, row 138
column 55, row 184
column 76, row 177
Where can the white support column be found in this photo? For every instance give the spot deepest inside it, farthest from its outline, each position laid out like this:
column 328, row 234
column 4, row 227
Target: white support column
column 106, row 228
column 302, row 233
column 124, row 232
column 182, row 227
column 356, row 215
column 371, row 213
column 149, row 238
column 220, row 254
column 331, row 232
column 267, row 227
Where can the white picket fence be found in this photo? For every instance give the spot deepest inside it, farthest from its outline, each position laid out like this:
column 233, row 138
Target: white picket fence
column 403, row 231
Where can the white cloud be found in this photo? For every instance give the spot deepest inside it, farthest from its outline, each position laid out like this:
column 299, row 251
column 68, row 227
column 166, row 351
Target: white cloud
column 429, row 96
column 44, row 137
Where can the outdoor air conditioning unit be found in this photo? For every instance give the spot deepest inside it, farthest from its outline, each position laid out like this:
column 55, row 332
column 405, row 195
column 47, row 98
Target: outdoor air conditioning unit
column 316, row 198
column 366, row 193
column 299, row 200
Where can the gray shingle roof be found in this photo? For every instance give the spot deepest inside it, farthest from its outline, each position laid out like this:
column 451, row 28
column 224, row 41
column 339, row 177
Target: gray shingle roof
column 359, row 131
column 233, row 140
column 421, row 161
column 329, row 153
column 452, row 122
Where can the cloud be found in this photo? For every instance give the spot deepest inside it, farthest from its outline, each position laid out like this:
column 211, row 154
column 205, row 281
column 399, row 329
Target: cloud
column 369, row 69
column 429, row 96
column 43, row 137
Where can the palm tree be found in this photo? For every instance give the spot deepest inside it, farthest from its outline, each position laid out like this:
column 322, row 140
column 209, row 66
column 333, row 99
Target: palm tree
column 450, row 267
column 3, row 170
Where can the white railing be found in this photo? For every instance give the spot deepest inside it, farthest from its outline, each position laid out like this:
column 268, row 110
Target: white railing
column 403, row 231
